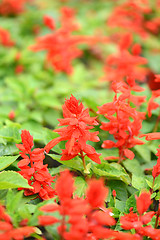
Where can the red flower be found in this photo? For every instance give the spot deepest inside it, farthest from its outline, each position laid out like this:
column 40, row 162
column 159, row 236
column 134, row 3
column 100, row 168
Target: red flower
column 151, row 104
column 86, row 220
column 62, row 45
column 135, row 221
column 7, row 230
column 19, row 69
column 33, row 169
column 12, row 7
column 130, row 17
column 49, row 22
column 119, row 113
column 96, row 193
column 5, row 38
column 143, row 202
column 151, row 136
column 77, row 132
column 11, row 115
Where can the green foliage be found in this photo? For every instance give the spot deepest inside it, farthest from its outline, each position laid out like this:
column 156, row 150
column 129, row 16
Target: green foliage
column 80, row 185
column 139, row 182
column 36, row 96
column 6, row 161
column 12, row 179
column 112, row 171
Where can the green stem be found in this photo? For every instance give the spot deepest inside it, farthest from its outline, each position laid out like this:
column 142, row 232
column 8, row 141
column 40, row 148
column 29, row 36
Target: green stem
column 157, row 217
column 157, row 122
column 83, row 160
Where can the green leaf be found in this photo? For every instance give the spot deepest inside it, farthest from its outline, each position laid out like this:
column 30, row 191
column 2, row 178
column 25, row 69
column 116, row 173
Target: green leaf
column 138, row 182
column 13, row 200
column 112, row 171
column 75, row 163
column 158, row 196
column 156, row 183
column 11, row 132
column 120, row 205
column 8, row 149
column 144, row 152
column 153, row 195
column 80, row 185
column 54, row 171
column 131, row 202
column 120, row 188
column 133, row 166
column 11, row 179
column 6, row 161
column 115, row 212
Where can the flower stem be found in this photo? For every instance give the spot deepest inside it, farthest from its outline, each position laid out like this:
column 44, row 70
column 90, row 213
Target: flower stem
column 157, row 217
column 83, row 160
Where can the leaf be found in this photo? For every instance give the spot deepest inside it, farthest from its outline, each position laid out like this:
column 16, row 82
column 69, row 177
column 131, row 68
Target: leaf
column 120, row 188
column 13, row 200
column 133, row 166
column 115, row 212
column 153, row 147
column 149, row 180
column 120, row 205
column 3, row 194
column 112, row 171
column 11, row 179
column 80, row 185
column 144, row 152
column 156, row 183
column 6, row 161
column 55, row 170
column 11, row 132
column 8, row 149
column 131, row 202
column 75, row 163
column 149, row 165
column 139, row 182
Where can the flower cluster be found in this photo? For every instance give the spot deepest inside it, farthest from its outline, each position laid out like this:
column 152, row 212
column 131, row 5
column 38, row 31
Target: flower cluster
column 7, row 230
column 125, row 63
column 140, row 221
column 62, row 45
column 12, row 7
column 33, row 169
column 130, row 16
column 124, row 123
column 88, row 218
column 77, row 132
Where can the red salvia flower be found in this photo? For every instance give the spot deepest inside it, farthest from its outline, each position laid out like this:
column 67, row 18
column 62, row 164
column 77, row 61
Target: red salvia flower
column 143, row 202
column 7, row 230
column 12, row 7
column 130, row 17
column 152, row 105
column 125, row 64
column 137, row 222
column 49, row 22
column 11, row 115
column 119, row 113
column 62, row 45
column 33, row 169
column 77, row 132
column 85, row 217
column 5, row 38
